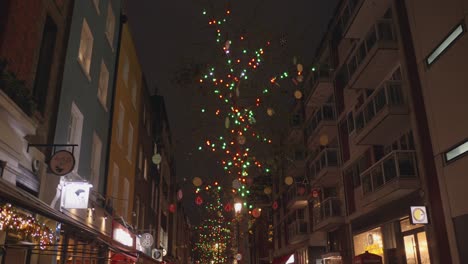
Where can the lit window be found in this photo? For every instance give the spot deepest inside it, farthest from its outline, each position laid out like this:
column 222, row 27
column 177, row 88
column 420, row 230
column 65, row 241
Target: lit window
column 456, row 152
column 439, row 50
column 96, row 161
column 130, row 142
column 110, row 25
column 103, row 85
column 96, row 5
column 120, row 124
column 75, row 130
column 86, row 49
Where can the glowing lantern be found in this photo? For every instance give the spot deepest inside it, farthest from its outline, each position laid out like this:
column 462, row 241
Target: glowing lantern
column 300, row 68
column 289, row 180
column 323, row 140
column 298, row 94
column 197, row 181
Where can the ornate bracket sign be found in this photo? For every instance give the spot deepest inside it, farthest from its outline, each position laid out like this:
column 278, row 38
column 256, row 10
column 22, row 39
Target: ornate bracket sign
column 62, row 162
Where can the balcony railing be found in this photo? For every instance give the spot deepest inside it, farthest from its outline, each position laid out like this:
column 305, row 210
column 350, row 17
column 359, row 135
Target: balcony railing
column 397, row 165
column 296, row 228
column 330, row 207
column 389, row 94
column 324, row 113
column 383, row 30
column 326, row 158
column 297, row 192
column 317, row 76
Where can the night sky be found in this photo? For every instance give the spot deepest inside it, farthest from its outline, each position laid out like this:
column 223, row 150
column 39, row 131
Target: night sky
column 172, row 36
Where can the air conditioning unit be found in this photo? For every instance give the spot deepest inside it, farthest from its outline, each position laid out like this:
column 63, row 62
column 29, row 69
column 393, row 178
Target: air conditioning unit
column 157, row 254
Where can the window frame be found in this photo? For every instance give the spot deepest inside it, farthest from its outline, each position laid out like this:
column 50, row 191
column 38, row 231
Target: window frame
column 440, row 54
column 83, row 61
column 459, row 156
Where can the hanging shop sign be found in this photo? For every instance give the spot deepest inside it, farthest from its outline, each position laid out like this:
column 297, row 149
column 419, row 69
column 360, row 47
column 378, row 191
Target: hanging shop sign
column 62, row 162
column 157, row 254
column 122, row 235
column 75, row 195
column 419, row 215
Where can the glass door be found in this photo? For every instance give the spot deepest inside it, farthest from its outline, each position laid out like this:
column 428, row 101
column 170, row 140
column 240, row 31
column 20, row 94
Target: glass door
column 416, row 249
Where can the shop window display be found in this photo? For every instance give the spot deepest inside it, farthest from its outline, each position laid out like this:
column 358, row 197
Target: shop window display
column 370, row 241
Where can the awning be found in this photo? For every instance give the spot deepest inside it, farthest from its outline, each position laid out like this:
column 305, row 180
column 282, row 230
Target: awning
column 282, row 259
column 17, row 197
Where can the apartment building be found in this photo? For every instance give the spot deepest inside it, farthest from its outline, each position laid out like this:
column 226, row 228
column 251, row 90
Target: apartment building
column 384, row 145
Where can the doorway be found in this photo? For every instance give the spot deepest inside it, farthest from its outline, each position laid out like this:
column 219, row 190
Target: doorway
column 415, row 243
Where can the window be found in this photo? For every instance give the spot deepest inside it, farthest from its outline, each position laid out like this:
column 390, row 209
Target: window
column 96, row 5
column 110, row 24
column 86, row 49
column 145, row 173
column 126, row 194
column 103, row 85
column 96, row 160
column 134, row 93
column 449, row 40
column 456, row 152
column 130, row 142
column 120, row 124
column 115, row 185
column 75, row 129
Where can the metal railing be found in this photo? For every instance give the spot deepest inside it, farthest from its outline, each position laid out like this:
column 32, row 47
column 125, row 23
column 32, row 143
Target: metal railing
column 296, row 191
column 320, row 75
column 330, row 207
column 298, row 227
column 325, row 113
column 382, row 30
column 399, row 164
column 388, row 94
column 328, row 157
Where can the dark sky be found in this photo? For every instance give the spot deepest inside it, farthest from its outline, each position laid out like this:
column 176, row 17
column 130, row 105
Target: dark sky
column 170, row 35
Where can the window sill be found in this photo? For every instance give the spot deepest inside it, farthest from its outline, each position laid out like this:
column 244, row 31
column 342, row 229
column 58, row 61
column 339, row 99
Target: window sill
column 83, row 70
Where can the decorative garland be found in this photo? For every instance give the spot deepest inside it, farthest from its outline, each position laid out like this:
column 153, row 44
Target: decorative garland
column 28, row 227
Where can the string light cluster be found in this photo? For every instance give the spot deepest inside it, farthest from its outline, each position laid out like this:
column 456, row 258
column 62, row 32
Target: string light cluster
column 27, row 227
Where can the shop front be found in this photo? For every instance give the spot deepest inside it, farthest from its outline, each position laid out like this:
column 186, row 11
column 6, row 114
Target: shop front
column 396, row 236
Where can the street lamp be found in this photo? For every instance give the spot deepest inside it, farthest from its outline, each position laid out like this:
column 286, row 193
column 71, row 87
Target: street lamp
column 237, row 207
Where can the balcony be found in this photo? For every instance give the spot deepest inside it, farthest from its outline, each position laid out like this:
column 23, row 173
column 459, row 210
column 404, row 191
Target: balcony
column 321, row 123
column 297, row 231
column 319, row 88
column 390, row 179
column 295, row 133
column 373, row 59
column 328, row 215
column 362, row 13
column 382, row 116
column 296, row 196
column 296, row 161
column 324, row 168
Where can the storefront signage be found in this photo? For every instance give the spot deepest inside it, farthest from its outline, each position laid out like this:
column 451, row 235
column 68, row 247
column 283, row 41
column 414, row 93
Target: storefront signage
column 75, row 195
column 419, row 215
column 146, row 240
column 62, row 162
column 123, row 236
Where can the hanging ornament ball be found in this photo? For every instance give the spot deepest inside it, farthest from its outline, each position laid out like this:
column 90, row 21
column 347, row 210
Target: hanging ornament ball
column 300, row 68
column 180, row 194
column 172, row 208
column 289, row 180
column 227, row 122
column 236, row 184
column 256, row 212
column 270, row 111
column 267, row 190
column 298, row 94
column 228, row 207
column 323, row 140
column 197, row 181
column 198, row 200
column 241, row 139
column 156, row 158
column 300, row 78
column 275, row 205
column 301, row 190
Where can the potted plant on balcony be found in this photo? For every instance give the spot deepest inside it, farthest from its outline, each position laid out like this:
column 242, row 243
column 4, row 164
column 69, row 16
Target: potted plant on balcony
column 16, row 89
